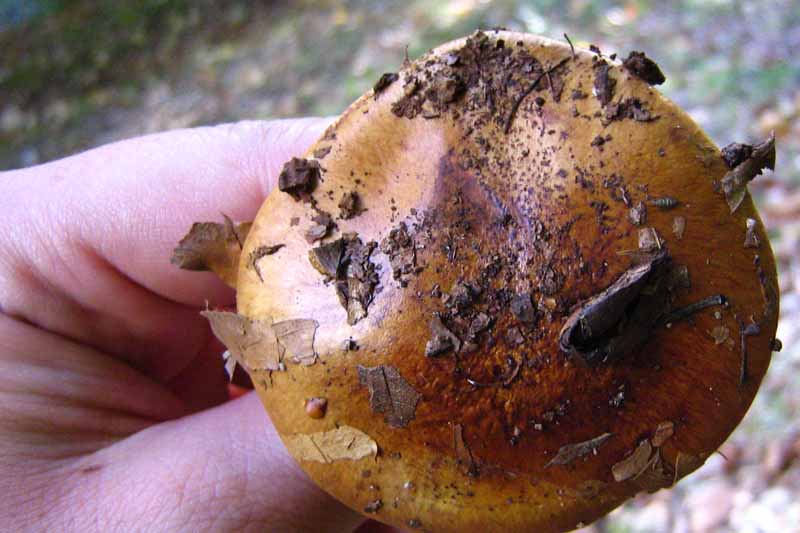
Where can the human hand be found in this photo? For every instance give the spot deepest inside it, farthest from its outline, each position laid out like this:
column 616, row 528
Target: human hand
column 114, row 410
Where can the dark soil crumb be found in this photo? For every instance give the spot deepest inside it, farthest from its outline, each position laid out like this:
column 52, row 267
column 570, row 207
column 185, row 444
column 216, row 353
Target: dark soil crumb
column 644, row 68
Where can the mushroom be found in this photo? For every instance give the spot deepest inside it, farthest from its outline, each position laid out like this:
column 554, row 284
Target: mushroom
column 498, row 344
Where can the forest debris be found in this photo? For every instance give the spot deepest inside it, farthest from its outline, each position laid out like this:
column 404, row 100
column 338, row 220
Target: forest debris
column 678, row 227
column 614, row 322
column 297, row 338
column 390, row 394
column 349, row 205
column 528, row 91
column 734, row 184
column 687, row 311
column 299, row 178
column 523, row 309
column 644, row 68
column 720, row 334
column 386, row 79
column 634, row 464
column 603, row 83
column 209, row 246
column 316, row 407
column 316, row 233
column 442, row 339
column 569, row 452
column 344, row 442
column 751, row 239
column 750, row 330
column 649, row 241
column 399, row 246
column 251, row 343
column 638, row 214
column 632, row 108
column 463, row 454
column 663, row 432
column 347, row 262
column 736, row 153
column 259, row 253
column 322, row 151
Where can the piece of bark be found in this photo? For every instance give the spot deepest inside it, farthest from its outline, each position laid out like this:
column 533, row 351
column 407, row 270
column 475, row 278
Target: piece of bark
column 620, row 318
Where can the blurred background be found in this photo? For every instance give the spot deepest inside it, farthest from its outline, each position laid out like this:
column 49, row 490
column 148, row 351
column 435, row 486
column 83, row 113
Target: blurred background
column 77, row 74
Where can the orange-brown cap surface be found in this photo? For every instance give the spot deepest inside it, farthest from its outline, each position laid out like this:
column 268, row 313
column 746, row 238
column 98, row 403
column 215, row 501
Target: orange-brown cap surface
column 518, row 278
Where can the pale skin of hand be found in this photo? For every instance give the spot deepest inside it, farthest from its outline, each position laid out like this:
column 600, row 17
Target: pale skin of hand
column 114, row 412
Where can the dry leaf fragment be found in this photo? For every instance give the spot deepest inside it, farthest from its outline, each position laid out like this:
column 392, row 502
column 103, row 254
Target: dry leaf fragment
column 569, row 452
column 349, row 205
column 649, row 240
column 638, row 214
column 678, row 227
column 209, row 246
column 634, row 464
column 251, row 343
column 734, row 184
column 390, row 394
column 297, row 338
column 344, row 442
column 720, row 334
column 663, row 432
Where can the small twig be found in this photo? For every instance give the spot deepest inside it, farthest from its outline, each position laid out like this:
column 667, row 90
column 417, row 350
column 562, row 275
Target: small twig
column 528, row 91
column 571, row 47
column 685, row 312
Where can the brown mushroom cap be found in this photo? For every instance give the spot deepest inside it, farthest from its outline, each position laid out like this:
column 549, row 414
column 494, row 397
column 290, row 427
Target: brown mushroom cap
column 500, row 191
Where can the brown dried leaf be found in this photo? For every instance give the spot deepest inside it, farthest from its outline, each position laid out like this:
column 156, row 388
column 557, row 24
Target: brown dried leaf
column 389, row 393
column 603, row 83
column 569, row 452
column 251, row 343
column 344, row 442
column 213, row 247
column 634, row 464
column 297, row 338
column 734, row 184
column 663, row 432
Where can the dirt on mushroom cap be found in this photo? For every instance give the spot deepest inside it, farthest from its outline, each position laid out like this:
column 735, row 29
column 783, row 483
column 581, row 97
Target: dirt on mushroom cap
column 490, row 170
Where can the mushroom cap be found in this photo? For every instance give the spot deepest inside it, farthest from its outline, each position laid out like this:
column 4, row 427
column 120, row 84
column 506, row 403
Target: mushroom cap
column 500, row 212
